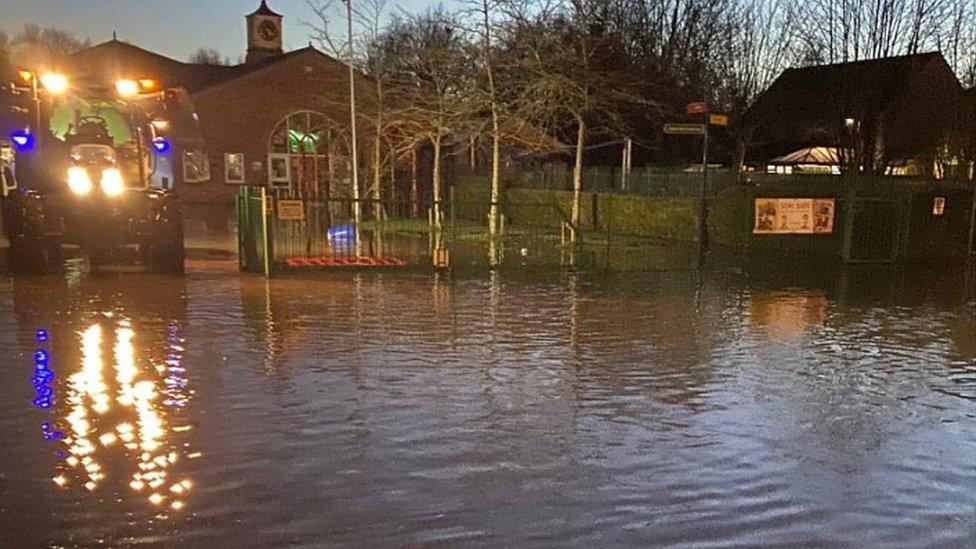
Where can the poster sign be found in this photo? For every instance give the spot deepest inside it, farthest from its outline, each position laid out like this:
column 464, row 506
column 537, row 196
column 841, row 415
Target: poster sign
column 291, row 210
column 794, row 216
column 938, row 206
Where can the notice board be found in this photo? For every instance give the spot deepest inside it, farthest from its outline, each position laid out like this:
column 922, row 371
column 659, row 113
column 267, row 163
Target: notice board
column 794, row 216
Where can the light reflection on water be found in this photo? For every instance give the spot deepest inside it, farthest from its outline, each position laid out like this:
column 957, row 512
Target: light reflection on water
column 553, row 409
column 128, row 420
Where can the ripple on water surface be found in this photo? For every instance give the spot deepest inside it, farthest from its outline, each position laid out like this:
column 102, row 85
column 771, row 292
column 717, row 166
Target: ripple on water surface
column 507, row 411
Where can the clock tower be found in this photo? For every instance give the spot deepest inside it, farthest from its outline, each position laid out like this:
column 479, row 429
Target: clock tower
column 263, row 34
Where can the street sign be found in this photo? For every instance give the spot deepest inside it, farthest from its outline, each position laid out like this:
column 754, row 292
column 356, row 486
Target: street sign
column 684, row 129
column 718, row 120
column 699, row 107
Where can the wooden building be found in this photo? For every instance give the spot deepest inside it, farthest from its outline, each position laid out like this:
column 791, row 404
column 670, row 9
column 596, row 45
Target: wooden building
column 892, row 115
column 279, row 118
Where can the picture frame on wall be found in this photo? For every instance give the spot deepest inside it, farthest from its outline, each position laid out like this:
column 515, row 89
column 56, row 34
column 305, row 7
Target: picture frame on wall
column 234, row 168
column 196, row 166
column 279, row 169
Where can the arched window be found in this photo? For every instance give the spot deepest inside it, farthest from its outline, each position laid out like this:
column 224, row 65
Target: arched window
column 308, row 157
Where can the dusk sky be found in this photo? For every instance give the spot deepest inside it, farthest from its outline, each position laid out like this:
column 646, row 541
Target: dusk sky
column 175, row 28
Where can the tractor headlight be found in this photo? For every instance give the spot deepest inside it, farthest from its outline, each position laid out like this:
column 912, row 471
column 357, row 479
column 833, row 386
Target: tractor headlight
column 112, row 183
column 78, row 180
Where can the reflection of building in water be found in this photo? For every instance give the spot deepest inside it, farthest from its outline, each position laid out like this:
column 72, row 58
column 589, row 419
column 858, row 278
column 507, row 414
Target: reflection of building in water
column 107, row 413
column 785, row 315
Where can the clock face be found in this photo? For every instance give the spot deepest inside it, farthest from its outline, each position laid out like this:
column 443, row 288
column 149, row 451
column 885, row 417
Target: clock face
column 268, row 30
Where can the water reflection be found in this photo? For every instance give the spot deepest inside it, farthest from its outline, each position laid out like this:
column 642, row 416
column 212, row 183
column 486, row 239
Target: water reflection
column 110, row 377
column 781, row 316
column 127, row 420
column 406, row 409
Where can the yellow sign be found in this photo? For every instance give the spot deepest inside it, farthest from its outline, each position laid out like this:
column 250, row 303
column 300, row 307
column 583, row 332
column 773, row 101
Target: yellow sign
column 291, row 210
column 794, row 216
column 718, row 120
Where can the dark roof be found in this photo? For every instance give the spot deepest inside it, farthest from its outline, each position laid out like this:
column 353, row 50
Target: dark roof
column 856, row 87
column 263, row 9
column 803, row 101
column 115, row 58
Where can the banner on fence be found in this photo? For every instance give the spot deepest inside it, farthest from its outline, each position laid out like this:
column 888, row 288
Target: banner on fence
column 291, row 210
column 794, row 216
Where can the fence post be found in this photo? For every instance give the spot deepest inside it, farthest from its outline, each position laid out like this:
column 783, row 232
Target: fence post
column 265, row 232
column 242, row 227
column 849, row 203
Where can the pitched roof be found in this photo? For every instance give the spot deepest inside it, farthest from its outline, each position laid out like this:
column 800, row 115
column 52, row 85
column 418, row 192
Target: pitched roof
column 115, row 58
column 820, row 156
column 844, row 89
column 263, row 9
column 806, row 100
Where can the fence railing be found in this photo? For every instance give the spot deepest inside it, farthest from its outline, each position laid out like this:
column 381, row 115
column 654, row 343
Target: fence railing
column 649, row 181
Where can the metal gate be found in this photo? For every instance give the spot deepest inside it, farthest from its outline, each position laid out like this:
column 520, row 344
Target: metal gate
column 253, row 243
column 875, row 230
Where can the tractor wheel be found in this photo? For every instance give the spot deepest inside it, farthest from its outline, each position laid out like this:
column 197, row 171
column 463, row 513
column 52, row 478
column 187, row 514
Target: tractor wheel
column 166, row 251
column 32, row 248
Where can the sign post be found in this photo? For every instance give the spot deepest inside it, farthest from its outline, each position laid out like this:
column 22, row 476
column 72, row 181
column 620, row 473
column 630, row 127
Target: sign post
column 701, row 108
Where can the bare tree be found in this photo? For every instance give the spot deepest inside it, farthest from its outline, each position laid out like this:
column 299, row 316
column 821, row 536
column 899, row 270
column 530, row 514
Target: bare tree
column 208, row 56
column 570, row 74
column 431, row 74
column 36, row 46
column 483, row 10
column 758, row 46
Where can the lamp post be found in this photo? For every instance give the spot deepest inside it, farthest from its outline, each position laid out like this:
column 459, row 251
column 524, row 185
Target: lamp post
column 357, row 210
column 30, row 75
column 52, row 83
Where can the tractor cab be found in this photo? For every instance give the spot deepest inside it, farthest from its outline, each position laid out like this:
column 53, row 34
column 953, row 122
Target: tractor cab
column 83, row 185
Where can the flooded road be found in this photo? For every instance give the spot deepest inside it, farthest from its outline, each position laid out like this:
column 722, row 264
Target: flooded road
column 766, row 407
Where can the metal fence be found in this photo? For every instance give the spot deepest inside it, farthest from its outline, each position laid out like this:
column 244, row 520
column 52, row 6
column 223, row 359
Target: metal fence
column 645, row 181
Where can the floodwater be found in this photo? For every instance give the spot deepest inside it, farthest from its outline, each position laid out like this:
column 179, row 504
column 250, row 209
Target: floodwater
column 755, row 407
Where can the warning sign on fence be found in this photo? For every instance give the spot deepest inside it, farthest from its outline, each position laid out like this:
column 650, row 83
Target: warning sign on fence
column 291, row 210
column 794, row 216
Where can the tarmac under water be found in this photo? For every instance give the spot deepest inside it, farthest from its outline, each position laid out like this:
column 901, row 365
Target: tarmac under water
column 763, row 406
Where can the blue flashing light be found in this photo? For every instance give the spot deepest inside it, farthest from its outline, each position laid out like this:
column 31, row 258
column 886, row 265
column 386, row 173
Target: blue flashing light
column 40, row 356
column 161, row 144
column 22, row 140
column 42, row 335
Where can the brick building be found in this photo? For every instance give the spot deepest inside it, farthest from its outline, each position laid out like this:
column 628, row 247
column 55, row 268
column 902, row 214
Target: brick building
column 278, row 118
column 892, row 113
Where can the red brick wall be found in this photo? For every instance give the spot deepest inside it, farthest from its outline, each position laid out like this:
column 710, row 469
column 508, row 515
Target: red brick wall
column 238, row 116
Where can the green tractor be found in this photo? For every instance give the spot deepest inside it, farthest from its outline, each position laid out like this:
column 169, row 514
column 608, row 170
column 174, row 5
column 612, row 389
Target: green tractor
column 85, row 186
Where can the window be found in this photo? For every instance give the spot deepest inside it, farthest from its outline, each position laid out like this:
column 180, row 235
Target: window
column 234, row 167
column 196, row 166
column 279, row 169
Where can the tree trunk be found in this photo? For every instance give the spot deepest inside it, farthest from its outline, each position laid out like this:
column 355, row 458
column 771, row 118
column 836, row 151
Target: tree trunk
column 437, row 180
column 494, row 213
column 493, row 208
column 578, row 177
column 374, row 193
column 414, row 190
